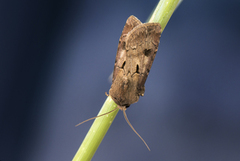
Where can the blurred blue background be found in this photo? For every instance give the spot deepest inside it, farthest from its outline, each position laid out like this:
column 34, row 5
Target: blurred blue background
column 55, row 60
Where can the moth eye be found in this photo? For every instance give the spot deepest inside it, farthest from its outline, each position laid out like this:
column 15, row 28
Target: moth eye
column 137, row 70
column 123, row 64
column 147, row 52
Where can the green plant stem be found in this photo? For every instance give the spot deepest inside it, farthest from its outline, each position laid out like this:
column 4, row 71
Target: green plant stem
column 164, row 11
column 100, row 126
column 97, row 132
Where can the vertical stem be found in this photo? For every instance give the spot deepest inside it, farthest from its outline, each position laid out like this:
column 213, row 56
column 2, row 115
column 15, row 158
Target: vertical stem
column 100, row 126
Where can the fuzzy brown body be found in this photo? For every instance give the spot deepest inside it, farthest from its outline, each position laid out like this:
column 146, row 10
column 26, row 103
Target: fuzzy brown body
column 137, row 48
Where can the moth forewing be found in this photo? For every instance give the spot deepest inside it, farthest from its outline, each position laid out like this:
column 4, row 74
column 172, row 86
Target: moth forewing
column 133, row 62
column 131, row 22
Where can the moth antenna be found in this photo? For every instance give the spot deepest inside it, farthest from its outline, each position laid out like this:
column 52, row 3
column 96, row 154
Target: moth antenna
column 125, row 116
column 97, row 116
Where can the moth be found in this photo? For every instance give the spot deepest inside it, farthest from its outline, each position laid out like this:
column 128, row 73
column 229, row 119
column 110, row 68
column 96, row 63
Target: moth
column 137, row 48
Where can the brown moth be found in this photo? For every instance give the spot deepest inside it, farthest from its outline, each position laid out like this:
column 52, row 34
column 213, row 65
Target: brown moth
column 137, row 48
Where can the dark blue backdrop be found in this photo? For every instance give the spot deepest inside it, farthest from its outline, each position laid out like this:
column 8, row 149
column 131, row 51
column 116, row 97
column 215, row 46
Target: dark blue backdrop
column 55, row 59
